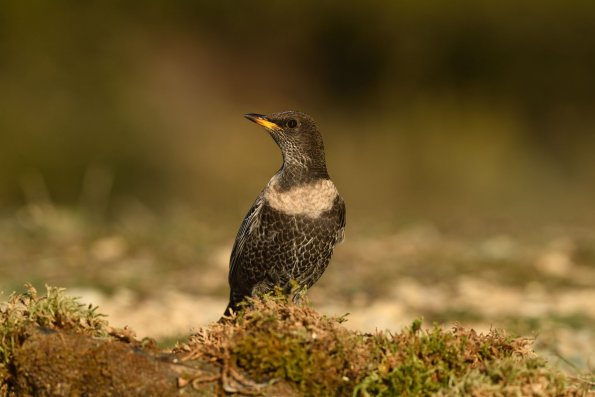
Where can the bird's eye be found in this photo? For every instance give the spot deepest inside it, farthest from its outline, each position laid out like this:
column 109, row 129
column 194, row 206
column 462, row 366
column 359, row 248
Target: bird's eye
column 291, row 123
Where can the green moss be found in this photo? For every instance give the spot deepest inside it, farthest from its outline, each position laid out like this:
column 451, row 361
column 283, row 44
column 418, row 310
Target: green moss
column 293, row 344
column 273, row 346
column 418, row 362
column 55, row 310
column 275, row 341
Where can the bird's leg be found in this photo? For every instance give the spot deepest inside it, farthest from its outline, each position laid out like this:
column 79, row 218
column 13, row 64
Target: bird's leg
column 297, row 298
column 296, row 292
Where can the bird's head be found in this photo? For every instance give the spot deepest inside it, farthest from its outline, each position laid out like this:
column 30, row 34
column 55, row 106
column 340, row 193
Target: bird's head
column 297, row 136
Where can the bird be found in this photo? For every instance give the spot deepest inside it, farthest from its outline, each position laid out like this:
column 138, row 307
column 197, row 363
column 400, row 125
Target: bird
column 287, row 238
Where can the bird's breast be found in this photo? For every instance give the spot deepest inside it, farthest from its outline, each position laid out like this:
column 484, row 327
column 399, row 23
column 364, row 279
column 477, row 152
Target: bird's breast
column 311, row 199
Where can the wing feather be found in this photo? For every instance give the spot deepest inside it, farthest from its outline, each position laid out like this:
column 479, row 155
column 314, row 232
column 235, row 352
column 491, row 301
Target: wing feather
column 250, row 223
column 340, row 235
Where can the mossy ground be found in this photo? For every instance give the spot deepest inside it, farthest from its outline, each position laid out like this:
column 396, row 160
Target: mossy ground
column 51, row 345
column 53, row 311
column 271, row 348
column 273, row 341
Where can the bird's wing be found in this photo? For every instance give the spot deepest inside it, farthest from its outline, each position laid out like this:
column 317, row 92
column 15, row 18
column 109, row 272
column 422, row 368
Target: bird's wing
column 250, row 223
column 340, row 236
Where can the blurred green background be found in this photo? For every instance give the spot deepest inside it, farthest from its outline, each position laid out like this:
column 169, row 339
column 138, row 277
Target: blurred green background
column 462, row 112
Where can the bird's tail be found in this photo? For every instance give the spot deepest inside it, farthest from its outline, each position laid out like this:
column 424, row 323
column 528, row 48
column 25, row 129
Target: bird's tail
column 230, row 310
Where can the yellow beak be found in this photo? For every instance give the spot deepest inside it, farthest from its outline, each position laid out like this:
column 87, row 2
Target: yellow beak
column 262, row 120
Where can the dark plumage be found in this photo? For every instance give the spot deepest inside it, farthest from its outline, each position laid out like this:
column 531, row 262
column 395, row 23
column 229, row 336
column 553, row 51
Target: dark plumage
column 295, row 222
